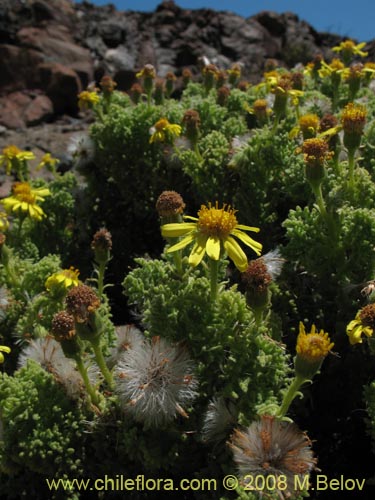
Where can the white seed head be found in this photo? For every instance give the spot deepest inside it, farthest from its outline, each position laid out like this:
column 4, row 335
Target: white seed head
column 154, row 381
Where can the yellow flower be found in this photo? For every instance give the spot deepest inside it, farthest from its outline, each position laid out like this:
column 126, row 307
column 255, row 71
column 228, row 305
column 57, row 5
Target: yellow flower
column 163, row 130
column 349, row 49
column 3, row 348
column 212, row 232
column 364, row 322
column 4, row 223
column 88, row 99
column 356, row 328
column 335, row 67
column 313, row 347
column 48, row 161
column 13, row 153
column 25, row 199
column 63, row 279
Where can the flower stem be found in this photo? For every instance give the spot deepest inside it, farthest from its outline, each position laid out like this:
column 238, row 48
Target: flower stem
column 351, row 153
column 317, row 189
column 214, row 268
column 82, row 370
column 101, row 362
column 290, row 395
column 101, row 271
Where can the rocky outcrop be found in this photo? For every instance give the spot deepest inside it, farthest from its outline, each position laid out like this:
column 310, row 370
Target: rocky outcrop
column 50, row 50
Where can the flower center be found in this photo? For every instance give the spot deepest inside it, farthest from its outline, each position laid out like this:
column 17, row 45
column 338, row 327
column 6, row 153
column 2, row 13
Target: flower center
column 161, row 125
column 11, row 151
column 313, row 346
column 22, row 192
column 215, row 221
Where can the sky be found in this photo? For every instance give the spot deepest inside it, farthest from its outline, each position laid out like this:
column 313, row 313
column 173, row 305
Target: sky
column 348, row 18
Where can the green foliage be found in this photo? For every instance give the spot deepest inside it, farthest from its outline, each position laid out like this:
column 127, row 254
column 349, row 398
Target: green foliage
column 43, row 433
column 232, row 358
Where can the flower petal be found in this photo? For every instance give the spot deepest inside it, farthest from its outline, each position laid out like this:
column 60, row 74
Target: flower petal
column 198, row 251
column 247, row 228
column 255, row 245
column 236, row 253
column 177, row 229
column 213, row 247
column 182, row 244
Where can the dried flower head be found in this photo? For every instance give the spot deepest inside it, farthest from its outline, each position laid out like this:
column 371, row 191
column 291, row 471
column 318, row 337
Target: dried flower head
column 82, row 149
column 367, row 316
column 49, row 354
column 136, row 91
column 81, row 301
column 128, row 337
column 102, row 240
column 62, row 327
column 222, row 95
column 187, row 76
column 107, row 84
column 270, row 447
column 219, row 420
column 315, row 151
column 170, row 203
column 256, row 276
column 154, row 381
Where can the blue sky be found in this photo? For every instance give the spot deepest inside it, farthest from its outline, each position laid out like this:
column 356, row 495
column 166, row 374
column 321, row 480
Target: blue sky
column 350, row 18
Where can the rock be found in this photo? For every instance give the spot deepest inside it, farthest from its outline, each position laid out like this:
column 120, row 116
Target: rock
column 39, row 110
column 52, row 49
column 62, row 85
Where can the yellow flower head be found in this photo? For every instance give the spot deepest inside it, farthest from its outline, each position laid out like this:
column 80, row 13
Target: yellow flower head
column 349, row 49
column 88, row 99
column 356, row 329
column 25, row 200
column 13, row 154
column 4, row 223
column 3, row 348
column 212, row 233
column 163, row 131
column 353, row 118
column 364, row 323
column 62, row 280
column 48, row 161
column 334, row 68
column 313, row 347
column 148, row 71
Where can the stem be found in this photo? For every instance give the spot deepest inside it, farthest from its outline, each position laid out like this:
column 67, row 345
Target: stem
column 258, row 316
column 290, row 395
column 101, row 362
column 82, row 370
column 319, row 199
column 351, row 154
column 214, row 268
column 178, row 261
column 101, row 271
